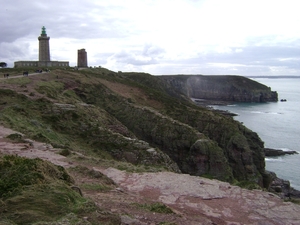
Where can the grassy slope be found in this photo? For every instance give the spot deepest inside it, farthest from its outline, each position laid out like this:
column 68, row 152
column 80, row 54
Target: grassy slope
column 123, row 106
column 108, row 116
column 33, row 190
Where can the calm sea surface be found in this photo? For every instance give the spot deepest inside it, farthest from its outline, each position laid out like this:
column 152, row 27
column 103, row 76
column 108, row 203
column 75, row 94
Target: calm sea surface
column 277, row 124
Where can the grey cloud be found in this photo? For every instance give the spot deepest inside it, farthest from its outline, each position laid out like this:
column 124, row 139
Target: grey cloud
column 133, row 59
column 80, row 21
column 255, row 56
column 10, row 52
column 249, row 60
column 150, row 54
column 70, row 19
column 151, row 50
column 21, row 21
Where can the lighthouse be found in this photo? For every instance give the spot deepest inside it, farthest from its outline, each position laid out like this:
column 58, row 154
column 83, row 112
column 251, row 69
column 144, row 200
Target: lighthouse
column 44, row 50
column 44, row 55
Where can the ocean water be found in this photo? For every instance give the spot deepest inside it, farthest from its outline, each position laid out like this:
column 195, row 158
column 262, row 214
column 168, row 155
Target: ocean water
column 277, row 124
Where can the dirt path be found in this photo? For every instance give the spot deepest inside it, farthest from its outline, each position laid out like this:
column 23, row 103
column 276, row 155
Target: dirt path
column 194, row 200
column 16, row 76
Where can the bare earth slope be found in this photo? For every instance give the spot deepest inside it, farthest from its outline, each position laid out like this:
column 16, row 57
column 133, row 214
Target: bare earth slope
column 194, row 200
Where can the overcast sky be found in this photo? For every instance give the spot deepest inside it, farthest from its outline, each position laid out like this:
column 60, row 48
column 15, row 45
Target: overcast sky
column 241, row 37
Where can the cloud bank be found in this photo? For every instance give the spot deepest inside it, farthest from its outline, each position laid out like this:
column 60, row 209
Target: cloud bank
column 158, row 37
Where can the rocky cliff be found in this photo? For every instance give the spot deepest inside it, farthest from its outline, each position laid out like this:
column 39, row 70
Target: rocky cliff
column 136, row 118
column 221, row 88
column 96, row 118
column 38, row 192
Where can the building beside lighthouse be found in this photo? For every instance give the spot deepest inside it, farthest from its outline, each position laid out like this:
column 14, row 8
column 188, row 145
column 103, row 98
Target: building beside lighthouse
column 82, row 58
column 44, row 55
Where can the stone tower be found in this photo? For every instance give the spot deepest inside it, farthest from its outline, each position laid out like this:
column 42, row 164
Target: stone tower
column 44, row 50
column 82, row 58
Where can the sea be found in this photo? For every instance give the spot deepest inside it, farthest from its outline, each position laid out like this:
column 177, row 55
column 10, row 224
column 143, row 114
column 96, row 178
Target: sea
column 277, row 124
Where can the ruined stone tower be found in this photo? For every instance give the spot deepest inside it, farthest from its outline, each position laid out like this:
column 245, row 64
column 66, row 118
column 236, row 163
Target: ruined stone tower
column 82, row 58
column 44, row 50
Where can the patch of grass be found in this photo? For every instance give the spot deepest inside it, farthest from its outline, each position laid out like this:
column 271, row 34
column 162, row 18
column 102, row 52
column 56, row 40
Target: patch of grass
column 45, row 202
column 247, row 185
column 41, row 137
column 22, row 81
column 95, row 187
column 129, row 167
column 50, row 88
column 156, row 207
column 33, row 190
column 15, row 137
column 29, row 117
column 102, row 180
column 65, row 152
column 70, row 94
column 70, row 218
column 293, row 200
column 18, row 172
column 52, row 204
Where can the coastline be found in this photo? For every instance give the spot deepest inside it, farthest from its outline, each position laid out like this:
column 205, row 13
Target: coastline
column 279, row 186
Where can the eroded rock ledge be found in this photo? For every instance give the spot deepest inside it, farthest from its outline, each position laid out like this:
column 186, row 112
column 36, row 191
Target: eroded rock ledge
column 269, row 152
column 203, row 201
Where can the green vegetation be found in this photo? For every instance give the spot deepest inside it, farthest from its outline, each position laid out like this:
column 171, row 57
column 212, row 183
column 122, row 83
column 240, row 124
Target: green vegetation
column 17, row 172
column 88, row 111
column 248, row 185
column 50, row 88
column 22, row 81
column 295, row 201
column 95, row 187
column 130, row 121
column 102, row 180
column 156, row 207
column 15, row 137
column 33, row 190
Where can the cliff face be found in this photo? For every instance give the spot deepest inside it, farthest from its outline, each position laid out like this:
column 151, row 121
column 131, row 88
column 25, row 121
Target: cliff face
column 95, row 123
column 135, row 118
column 198, row 140
column 222, row 88
column 38, row 192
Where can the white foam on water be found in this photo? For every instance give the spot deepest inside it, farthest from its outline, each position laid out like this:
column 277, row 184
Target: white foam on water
column 258, row 112
column 274, row 159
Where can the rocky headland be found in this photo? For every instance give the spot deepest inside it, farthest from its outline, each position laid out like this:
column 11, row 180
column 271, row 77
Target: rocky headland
column 96, row 119
column 220, row 89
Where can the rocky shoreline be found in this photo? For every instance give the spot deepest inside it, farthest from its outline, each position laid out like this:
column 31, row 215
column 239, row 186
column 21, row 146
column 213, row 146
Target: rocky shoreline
column 278, row 186
column 269, row 152
column 193, row 199
column 282, row 188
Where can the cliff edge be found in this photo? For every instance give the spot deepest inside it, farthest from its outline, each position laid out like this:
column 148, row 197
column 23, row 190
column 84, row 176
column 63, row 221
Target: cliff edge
column 94, row 119
column 221, row 88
